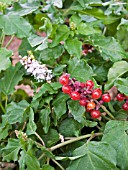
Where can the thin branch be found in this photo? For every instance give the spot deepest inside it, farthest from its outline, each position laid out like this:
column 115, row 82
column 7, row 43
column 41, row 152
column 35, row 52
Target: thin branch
column 58, row 164
column 73, row 140
column 9, row 42
column 3, row 109
column 106, row 111
column 40, row 138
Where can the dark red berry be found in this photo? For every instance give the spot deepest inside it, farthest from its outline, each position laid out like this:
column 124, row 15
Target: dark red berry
column 91, row 105
column 64, row 79
column 75, row 95
column 96, row 93
column 125, row 106
column 120, row 97
column 82, row 85
column 95, row 114
column 89, row 84
column 83, row 102
column 106, row 97
column 66, row 89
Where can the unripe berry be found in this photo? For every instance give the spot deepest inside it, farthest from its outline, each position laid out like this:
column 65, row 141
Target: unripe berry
column 91, row 105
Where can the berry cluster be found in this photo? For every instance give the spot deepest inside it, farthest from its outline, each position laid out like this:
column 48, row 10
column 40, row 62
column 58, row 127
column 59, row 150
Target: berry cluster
column 121, row 97
column 85, row 93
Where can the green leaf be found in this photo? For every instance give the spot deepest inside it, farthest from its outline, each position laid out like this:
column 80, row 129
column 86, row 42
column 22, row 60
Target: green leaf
column 75, row 19
column 57, row 3
column 51, row 138
column 4, row 131
column 24, row 47
column 15, row 112
column 10, row 152
column 11, row 78
column 47, row 27
column 35, row 40
column 77, row 111
column 74, row 47
column 45, row 88
column 62, row 34
column 59, row 105
column 28, row 159
column 79, row 69
column 31, row 126
column 49, row 56
column 23, row 9
column 5, row 61
column 47, row 167
column 99, row 14
column 109, row 48
column 116, row 135
column 45, row 119
column 122, row 85
column 14, row 24
column 117, row 70
column 73, row 127
column 93, row 157
column 86, row 29
column 31, row 161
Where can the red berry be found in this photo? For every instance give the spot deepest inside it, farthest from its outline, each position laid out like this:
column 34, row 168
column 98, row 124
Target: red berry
column 125, row 106
column 96, row 93
column 64, row 79
column 75, row 95
column 66, row 89
column 120, row 97
column 82, row 85
column 89, row 84
column 106, row 97
column 91, row 105
column 83, row 102
column 95, row 114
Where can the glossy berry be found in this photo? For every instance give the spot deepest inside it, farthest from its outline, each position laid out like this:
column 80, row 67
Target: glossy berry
column 83, row 102
column 91, row 105
column 125, row 106
column 95, row 114
column 64, row 79
column 120, row 97
column 75, row 95
column 106, row 97
column 96, row 93
column 66, row 89
column 89, row 84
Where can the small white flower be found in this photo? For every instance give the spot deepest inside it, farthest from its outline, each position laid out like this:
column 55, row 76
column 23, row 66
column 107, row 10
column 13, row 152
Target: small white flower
column 36, row 69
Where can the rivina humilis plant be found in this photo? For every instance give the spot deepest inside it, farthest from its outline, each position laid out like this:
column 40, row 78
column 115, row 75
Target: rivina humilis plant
column 74, row 57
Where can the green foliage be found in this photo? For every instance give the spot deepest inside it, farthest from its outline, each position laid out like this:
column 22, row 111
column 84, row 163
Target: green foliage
column 41, row 127
column 118, row 141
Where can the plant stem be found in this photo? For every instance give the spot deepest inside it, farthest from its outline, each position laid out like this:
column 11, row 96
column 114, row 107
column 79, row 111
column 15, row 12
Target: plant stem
column 9, row 42
column 2, row 107
column 2, row 39
column 57, row 164
column 6, row 101
column 111, row 107
column 40, row 138
column 73, row 140
column 104, row 108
